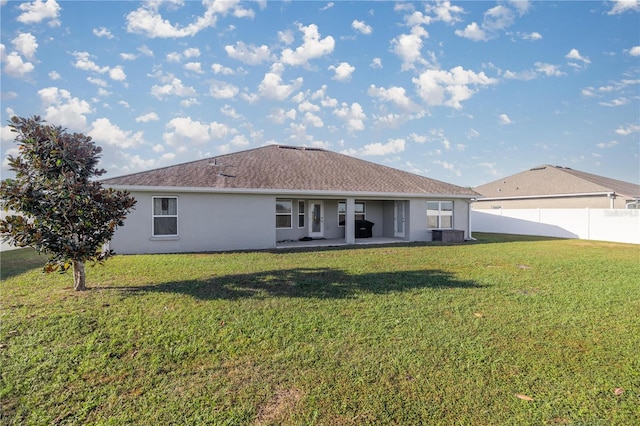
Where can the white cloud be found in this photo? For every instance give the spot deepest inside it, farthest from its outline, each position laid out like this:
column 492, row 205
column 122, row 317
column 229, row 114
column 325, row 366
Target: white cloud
column 194, row 67
column 38, row 11
column 393, row 146
column 445, row 12
column 615, row 102
column 327, row 6
column 14, row 66
column 26, row 45
column 548, row 70
column 495, row 20
column 450, row 88
column 271, row 86
column 473, row 32
column 286, row 37
column 183, row 130
column 228, row 111
column 498, row 18
column 622, row 6
column 574, row 56
column 97, row 81
column 634, row 51
column 312, row 119
column 221, row 69
column 361, row 27
column 280, row 115
column 117, row 74
column 625, row 131
column 609, row 144
column 312, row 47
column 191, row 52
column 175, row 88
column 418, row 138
column 64, row 110
column 532, row 36
column 54, row 75
column 394, row 94
column 342, row 72
column 152, row 116
column 222, row 90
column 504, row 119
column 105, row 132
column 448, row 166
column 83, row 62
column 148, row 21
column 145, row 50
column 408, row 47
column 251, row 55
column 308, row 106
column 353, row 115
column 102, row 32
column 376, row 63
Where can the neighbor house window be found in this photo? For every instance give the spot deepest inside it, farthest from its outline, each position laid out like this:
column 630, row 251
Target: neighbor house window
column 301, row 214
column 283, row 213
column 440, row 214
column 634, row 205
column 342, row 211
column 165, row 216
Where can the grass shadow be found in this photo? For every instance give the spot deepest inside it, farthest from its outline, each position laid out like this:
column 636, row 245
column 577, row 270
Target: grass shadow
column 18, row 261
column 490, row 238
column 321, row 283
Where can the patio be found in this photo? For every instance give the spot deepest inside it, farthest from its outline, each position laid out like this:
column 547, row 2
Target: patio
column 337, row 242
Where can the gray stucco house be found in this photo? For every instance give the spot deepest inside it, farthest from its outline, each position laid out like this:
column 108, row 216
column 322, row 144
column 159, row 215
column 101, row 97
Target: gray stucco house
column 263, row 198
column 557, row 187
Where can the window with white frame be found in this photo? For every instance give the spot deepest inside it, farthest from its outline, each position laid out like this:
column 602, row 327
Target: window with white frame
column 283, row 213
column 440, row 214
column 360, row 208
column 165, row 216
column 301, row 213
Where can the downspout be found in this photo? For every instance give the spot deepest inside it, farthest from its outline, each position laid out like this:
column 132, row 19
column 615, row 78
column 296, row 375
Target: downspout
column 612, row 197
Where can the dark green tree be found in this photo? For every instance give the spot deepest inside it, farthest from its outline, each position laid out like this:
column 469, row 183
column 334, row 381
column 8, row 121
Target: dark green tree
column 58, row 208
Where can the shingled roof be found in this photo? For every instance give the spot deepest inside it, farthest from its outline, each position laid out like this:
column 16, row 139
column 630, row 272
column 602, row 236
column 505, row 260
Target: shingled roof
column 287, row 168
column 555, row 180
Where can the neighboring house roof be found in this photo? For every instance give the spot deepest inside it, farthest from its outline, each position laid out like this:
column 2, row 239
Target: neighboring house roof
column 549, row 180
column 287, row 168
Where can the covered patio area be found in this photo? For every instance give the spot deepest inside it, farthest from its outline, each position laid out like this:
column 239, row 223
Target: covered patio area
column 338, row 242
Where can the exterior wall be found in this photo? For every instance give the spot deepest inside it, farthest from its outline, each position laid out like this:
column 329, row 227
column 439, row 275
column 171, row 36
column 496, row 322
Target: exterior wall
column 217, row 222
column 417, row 231
column 206, row 222
column 594, row 202
column 590, row 224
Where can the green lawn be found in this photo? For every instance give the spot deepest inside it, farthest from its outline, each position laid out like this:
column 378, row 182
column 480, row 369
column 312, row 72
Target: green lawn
column 506, row 330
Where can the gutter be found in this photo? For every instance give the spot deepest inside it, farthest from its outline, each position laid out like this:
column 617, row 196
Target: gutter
column 609, row 194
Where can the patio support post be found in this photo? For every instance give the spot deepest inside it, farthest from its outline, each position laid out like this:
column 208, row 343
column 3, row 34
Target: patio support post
column 350, row 221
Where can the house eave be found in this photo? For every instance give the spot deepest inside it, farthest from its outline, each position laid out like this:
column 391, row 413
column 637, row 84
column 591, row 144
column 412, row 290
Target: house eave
column 609, row 194
column 288, row 192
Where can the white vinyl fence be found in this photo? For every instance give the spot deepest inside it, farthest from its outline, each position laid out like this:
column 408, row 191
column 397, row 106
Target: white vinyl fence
column 622, row 226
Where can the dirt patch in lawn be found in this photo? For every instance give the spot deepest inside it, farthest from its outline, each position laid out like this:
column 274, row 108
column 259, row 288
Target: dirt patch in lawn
column 276, row 409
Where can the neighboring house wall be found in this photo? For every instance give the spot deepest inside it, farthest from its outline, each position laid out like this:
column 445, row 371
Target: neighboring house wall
column 594, row 202
column 206, row 222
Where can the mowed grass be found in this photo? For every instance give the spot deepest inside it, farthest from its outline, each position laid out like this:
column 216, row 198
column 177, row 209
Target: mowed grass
column 506, row 330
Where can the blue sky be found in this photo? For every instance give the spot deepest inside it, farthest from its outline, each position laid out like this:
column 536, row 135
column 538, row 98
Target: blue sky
column 465, row 92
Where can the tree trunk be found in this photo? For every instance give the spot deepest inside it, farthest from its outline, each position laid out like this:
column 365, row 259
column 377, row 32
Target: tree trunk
column 78, row 276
